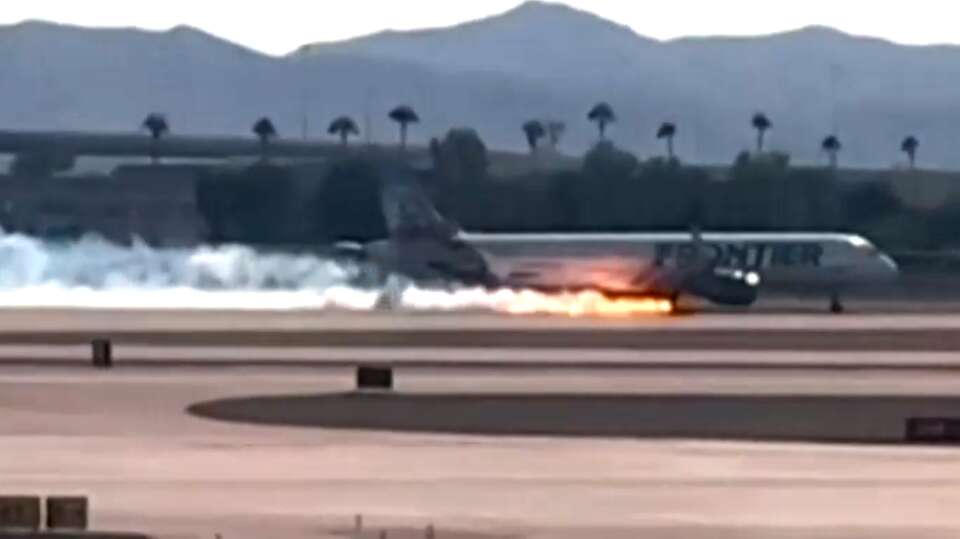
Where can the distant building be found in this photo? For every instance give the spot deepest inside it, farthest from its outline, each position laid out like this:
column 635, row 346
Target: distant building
column 46, row 194
column 155, row 203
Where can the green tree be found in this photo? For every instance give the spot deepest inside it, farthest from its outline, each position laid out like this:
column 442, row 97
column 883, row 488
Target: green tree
column 348, row 203
column 534, row 131
column 831, row 146
column 909, row 146
column 906, row 230
column 765, row 193
column 761, row 124
column 404, row 116
column 610, row 193
column 265, row 131
column 667, row 132
column 602, row 114
column 254, row 205
column 606, row 160
column 868, row 202
column 156, row 124
column 670, row 195
column 943, row 222
column 461, row 157
column 564, row 201
column 755, row 192
column 344, row 127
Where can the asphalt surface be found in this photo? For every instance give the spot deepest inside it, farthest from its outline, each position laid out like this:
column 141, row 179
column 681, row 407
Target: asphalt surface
column 710, row 332
column 189, row 438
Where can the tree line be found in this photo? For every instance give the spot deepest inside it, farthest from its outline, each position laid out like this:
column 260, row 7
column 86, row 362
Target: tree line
column 343, row 127
column 612, row 190
column 602, row 115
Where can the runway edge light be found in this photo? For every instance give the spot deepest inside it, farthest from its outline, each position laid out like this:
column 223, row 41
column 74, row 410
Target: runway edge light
column 374, row 377
column 933, row 430
column 18, row 513
column 102, row 350
column 67, row 513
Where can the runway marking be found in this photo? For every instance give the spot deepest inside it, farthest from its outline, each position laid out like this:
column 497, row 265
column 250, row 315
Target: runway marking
column 581, row 339
column 56, row 320
column 499, row 358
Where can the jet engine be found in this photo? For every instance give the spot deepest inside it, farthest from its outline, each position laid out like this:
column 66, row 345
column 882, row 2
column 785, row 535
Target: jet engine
column 724, row 286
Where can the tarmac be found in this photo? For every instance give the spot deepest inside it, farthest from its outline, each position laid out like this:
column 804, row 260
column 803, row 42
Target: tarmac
column 248, row 425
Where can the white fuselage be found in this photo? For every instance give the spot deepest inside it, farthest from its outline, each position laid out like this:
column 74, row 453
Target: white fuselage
column 618, row 262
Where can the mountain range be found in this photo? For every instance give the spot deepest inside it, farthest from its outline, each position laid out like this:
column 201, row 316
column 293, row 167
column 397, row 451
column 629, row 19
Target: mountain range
column 540, row 60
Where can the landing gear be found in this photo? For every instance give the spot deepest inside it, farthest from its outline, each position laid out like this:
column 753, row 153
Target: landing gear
column 836, row 306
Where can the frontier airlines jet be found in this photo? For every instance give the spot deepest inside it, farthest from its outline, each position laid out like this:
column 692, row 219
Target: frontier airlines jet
column 724, row 268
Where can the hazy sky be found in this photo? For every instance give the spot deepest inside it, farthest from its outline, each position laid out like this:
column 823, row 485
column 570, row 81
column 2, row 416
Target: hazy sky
column 279, row 26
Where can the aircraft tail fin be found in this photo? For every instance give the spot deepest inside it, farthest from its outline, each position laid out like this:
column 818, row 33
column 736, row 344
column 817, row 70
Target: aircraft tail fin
column 700, row 262
column 407, row 209
column 696, row 235
column 696, row 239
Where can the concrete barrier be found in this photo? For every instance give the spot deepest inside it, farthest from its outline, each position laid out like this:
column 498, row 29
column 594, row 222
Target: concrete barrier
column 19, row 513
column 374, row 377
column 67, row 513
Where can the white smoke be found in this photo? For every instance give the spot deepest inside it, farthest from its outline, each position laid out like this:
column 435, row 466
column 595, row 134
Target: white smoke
column 92, row 272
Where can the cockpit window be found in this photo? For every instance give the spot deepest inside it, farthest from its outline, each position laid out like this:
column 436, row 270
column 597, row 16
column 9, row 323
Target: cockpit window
column 863, row 245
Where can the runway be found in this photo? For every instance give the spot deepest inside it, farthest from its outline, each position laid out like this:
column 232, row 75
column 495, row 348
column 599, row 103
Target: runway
column 286, row 330
column 614, row 441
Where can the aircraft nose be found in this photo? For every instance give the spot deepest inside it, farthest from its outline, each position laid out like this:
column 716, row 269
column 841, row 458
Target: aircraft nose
column 889, row 268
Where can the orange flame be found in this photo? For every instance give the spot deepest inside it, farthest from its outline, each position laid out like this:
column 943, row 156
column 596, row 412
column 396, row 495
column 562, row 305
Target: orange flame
column 580, row 304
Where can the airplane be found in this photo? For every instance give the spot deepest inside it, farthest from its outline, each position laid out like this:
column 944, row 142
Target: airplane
column 725, row 268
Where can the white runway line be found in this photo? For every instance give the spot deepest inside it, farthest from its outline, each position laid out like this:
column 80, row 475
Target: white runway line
column 145, row 320
column 493, row 356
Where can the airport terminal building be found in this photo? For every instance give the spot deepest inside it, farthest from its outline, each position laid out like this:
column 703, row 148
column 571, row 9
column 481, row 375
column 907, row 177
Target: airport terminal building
column 156, row 204
column 154, row 201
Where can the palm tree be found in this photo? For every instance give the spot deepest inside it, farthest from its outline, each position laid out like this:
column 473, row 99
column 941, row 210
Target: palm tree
column 404, row 115
column 762, row 124
column 264, row 130
column 666, row 132
column 555, row 131
column 831, row 146
column 343, row 126
column 602, row 114
column 534, row 131
column 909, row 146
column 156, row 124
